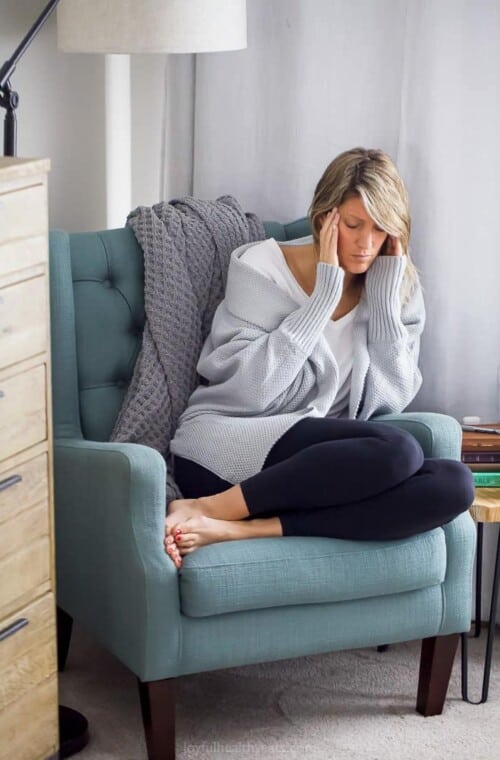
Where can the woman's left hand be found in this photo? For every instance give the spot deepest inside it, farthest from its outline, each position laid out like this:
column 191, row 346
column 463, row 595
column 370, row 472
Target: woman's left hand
column 393, row 247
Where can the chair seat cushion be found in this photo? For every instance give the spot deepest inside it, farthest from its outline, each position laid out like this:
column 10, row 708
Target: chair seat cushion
column 270, row 572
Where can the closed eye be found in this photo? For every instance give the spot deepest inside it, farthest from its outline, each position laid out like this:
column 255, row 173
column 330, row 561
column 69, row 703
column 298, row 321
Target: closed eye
column 354, row 226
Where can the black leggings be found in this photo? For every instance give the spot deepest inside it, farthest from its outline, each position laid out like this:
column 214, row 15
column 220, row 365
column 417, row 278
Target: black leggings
column 345, row 479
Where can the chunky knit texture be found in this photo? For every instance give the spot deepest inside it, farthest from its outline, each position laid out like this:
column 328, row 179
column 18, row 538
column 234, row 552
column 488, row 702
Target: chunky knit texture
column 268, row 364
column 187, row 244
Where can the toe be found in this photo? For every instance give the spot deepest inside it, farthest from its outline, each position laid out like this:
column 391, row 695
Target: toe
column 184, row 527
column 185, row 539
column 168, row 526
column 173, row 557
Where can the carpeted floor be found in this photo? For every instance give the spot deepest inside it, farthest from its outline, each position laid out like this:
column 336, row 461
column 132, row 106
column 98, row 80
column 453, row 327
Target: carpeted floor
column 357, row 705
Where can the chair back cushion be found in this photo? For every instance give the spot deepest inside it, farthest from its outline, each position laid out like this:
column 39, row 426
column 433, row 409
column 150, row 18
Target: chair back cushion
column 100, row 297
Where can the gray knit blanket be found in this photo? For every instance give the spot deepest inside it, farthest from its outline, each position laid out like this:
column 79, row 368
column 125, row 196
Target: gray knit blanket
column 187, row 244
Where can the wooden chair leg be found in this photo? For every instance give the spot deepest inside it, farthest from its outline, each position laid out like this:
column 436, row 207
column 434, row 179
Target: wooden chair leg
column 436, row 662
column 64, row 629
column 158, row 715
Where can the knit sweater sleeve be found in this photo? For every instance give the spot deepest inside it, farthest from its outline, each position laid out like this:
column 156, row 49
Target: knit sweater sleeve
column 394, row 331
column 259, row 371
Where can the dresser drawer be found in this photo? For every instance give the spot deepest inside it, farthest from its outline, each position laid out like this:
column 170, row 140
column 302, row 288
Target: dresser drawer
column 27, row 653
column 16, row 535
column 17, row 255
column 23, row 486
column 23, row 415
column 23, row 213
column 28, row 566
column 29, row 727
column 28, row 683
column 23, row 320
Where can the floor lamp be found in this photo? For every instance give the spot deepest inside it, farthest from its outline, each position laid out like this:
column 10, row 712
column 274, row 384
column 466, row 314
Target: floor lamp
column 120, row 27
column 9, row 98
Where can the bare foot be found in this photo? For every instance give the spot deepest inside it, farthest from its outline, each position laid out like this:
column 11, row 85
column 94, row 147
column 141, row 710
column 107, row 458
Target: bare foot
column 200, row 530
column 173, row 551
column 180, row 509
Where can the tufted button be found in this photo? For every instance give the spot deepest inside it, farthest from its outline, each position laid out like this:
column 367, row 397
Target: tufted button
column 121, row 383
column 107, row 283
column 137, row 331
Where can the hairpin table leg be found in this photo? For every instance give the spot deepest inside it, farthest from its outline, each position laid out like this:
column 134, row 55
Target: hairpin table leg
column 490, row 639
column 479, row 574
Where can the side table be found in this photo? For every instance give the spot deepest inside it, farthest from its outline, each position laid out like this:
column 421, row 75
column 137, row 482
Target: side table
column 485, row 509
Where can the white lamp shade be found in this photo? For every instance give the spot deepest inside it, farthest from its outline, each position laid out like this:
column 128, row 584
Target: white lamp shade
column 151, row 26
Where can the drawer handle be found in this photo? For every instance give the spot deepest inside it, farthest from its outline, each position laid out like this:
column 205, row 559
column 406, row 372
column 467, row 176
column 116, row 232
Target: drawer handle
column 13, row 628
column 8, row 482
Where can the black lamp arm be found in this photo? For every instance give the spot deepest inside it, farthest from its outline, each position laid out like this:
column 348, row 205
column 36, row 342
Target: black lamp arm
column 8, row 98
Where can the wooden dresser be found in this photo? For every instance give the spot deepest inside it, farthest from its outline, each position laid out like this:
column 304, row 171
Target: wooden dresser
column 28, row 667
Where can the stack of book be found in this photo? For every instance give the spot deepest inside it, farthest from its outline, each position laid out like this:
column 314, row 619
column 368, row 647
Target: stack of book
column 481, row 452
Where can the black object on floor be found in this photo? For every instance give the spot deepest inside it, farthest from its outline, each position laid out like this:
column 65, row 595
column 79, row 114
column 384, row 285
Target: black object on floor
column 491, row 625
column 73, row 731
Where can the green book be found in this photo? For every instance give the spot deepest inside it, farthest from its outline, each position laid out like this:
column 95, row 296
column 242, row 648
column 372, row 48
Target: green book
column 487, row 479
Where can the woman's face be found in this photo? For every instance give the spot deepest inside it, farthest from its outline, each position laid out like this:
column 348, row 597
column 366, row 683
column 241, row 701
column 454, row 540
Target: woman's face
column 360, row 239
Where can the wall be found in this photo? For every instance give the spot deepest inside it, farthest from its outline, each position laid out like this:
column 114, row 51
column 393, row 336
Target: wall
column 314, row 80
column 60, row 115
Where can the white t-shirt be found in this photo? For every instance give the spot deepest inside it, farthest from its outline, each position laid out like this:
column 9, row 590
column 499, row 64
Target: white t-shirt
column 268, row 259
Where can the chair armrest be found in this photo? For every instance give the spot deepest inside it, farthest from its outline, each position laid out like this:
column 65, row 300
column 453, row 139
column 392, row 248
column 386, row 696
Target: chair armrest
column 439, row 435
column 460, row 536
column 113, row 575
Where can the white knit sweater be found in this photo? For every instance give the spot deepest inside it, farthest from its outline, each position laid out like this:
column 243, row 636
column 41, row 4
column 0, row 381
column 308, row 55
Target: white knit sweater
column 268, row 364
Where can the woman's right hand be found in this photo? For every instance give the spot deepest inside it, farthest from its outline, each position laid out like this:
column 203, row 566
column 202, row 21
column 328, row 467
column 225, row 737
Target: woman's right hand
column 328, row 238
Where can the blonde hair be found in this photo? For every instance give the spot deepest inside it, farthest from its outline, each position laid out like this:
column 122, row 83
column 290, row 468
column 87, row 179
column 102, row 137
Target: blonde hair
column 371, row 175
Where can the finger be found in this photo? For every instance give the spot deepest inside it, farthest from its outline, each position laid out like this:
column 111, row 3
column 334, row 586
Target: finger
column 336, row 228
column 396, row 248
column 330, row 226
column 328, row 217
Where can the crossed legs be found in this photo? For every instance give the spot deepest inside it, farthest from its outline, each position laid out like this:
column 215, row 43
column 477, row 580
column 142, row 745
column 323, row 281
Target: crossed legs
column 324, row 477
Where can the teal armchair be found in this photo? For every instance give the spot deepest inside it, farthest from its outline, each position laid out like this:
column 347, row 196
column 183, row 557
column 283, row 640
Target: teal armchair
column 232, row 603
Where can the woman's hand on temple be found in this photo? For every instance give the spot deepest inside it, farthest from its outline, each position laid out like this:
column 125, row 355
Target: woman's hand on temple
column 329, row 237
column 393, row 247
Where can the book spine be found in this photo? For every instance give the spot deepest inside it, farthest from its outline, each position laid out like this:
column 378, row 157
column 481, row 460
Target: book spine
column 490, row 457
column 487, row 479
column 475, row 467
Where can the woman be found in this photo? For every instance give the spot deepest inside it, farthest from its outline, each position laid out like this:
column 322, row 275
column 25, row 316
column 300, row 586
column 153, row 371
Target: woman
column 312, row 339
